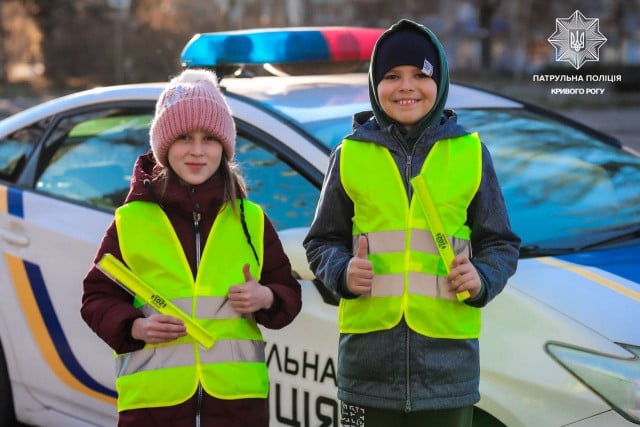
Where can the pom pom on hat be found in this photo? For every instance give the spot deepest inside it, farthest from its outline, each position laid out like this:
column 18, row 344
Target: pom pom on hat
column 191, row 101
column 406, row 46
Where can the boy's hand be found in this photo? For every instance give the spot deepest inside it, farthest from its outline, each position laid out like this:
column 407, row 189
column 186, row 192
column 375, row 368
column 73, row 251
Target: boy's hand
column 360, row 270
column 464, row 276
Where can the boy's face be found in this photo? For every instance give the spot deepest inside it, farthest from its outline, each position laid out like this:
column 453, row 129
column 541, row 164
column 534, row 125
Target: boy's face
column 406, row 94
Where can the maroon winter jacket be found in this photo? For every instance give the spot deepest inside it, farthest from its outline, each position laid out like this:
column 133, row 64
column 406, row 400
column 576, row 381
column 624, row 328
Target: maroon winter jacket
column 108, row 309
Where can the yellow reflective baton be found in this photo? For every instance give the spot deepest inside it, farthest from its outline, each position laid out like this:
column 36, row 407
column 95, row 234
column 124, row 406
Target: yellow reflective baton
column 435, row 224
column 119, row 273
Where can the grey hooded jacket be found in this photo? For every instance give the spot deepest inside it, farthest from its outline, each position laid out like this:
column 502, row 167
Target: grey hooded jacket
column 399, row 368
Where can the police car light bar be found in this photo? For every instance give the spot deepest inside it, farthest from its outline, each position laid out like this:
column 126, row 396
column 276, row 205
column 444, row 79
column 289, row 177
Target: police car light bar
column 279, row 46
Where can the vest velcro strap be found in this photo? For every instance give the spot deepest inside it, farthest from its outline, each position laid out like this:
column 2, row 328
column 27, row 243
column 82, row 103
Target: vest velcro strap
column 172, row 356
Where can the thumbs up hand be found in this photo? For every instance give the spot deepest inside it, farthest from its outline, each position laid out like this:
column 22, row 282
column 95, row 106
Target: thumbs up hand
column 250, row 296
column 360, row 270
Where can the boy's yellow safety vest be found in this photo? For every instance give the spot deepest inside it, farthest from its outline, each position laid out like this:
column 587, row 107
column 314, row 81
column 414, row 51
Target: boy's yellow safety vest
column 409, row 275
column 168, row 374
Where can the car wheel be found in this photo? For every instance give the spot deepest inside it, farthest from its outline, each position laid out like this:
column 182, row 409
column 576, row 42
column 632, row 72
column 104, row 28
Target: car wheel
column 484, row 419
column 7, row 413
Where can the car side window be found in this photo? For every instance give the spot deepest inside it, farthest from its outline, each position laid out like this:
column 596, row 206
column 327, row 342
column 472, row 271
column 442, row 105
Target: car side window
column 16, row 148
column 288, row 198
column 89, row 157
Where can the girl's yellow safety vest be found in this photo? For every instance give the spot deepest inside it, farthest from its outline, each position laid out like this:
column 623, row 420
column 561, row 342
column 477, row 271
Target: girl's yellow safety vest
column 168, row 374
column 409, row 275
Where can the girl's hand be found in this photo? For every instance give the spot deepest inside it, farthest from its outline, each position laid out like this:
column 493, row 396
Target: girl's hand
column 157, row 328
column 251, row 296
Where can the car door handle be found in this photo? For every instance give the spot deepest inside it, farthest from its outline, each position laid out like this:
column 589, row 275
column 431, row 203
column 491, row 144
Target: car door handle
column 14, row 237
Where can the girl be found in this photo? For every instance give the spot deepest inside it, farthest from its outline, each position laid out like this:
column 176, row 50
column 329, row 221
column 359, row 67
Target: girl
column 187, row 229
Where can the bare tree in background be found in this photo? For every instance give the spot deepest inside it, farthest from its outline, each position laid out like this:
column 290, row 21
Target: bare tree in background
column 486, row 13
column 3, row 56
column 88, row 42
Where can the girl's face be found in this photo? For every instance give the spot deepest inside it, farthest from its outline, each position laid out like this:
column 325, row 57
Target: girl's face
column 195, row 156
column 406, row 94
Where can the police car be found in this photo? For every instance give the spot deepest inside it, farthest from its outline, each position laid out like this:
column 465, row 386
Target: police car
column 560, row 346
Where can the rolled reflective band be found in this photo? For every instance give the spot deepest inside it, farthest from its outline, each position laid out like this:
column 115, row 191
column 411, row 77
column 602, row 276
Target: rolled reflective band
column 435, row 224
column 119, row 273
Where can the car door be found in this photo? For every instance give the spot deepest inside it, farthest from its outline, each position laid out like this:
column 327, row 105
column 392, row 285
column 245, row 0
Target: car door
column 302, row 356
column 53, row 221
column 55, row 215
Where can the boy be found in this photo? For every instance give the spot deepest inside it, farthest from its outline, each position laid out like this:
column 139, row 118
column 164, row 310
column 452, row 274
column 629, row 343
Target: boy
column 409, row 320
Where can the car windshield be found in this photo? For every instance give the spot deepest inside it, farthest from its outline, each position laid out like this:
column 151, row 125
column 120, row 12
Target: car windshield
column 322, row 109
column 566, row 190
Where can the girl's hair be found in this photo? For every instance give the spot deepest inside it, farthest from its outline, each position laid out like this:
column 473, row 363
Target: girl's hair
column 234, row 184
column 235, row 189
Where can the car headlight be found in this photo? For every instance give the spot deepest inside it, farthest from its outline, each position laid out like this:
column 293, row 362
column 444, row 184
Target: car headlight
column 614, row 379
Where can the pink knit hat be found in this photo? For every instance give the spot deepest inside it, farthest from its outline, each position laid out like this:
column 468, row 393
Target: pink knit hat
column 191, row 101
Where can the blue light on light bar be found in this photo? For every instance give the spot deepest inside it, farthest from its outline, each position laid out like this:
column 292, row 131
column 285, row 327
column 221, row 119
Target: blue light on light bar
column 279, row 46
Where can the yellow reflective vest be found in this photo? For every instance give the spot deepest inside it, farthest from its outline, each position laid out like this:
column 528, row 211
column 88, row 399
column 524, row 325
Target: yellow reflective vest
column 169, row 373
column 409, row 275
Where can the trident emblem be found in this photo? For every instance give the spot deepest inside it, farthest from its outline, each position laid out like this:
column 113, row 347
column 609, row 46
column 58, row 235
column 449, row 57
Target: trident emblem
column 577, row 39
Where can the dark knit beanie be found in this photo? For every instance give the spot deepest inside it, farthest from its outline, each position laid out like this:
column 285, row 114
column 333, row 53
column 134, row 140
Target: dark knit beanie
column 406, row 47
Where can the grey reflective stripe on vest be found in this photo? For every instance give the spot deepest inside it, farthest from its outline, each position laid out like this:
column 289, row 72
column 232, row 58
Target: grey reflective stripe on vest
column 394, row 241
column 380, row 242
column 207, row 308
column 171, row 356
column 383, row 285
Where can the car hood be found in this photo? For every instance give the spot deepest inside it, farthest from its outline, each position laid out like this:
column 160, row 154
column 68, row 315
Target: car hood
column 599, row 289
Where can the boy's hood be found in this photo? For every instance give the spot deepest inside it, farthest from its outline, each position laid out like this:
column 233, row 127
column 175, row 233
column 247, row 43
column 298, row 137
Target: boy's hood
column 435, row 115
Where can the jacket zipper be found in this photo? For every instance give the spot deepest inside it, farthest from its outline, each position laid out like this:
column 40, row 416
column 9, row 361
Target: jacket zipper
column 407, row 406
column 407, row 179
column 408, row 165
column 196, row 229
column 198, row 405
